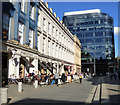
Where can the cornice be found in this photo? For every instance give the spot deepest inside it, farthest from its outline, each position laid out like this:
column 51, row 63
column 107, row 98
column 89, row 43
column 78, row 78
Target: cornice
column 56, row 20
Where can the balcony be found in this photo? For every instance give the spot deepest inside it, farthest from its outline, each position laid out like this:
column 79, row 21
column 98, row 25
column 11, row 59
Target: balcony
column 22, row 17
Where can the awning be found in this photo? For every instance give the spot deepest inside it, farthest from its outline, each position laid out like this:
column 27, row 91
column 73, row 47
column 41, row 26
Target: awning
column 50, row 64
column 42, row 71
column 42, row 65
column 65, row 68
column 47, row 66
column 30, row 65
column 48, row 71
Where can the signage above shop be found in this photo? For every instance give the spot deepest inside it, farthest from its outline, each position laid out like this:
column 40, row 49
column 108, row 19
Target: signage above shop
column 27, row 54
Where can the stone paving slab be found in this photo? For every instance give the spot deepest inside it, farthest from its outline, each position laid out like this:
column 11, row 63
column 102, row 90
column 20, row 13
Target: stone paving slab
column 74, row 92
column 112, row 89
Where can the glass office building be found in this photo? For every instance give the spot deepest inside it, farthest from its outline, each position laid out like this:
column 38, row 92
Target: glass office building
column 95, row 32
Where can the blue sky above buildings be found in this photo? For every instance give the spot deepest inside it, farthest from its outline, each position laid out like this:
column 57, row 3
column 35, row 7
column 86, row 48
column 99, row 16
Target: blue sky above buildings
column 110, row 8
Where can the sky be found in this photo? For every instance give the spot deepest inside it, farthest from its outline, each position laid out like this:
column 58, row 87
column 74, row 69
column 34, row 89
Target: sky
column 110, row 8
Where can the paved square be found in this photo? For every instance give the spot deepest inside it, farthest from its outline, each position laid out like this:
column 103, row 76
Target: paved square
column 74, row 92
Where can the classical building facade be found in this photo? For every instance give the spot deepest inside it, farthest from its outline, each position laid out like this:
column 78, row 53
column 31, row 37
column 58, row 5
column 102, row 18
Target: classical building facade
column 7, row 14
column 77, row 55
column 55, row 41
column 95, row 32
column 38, row 41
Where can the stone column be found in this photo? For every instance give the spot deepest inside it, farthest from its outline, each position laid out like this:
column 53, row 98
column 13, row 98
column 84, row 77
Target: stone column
column 10, row 68
column 36, row 65
column 54, row 70
column 17, row 64
column 62, row 69
column 41, row 43
column 57, row 67
column 14, row 66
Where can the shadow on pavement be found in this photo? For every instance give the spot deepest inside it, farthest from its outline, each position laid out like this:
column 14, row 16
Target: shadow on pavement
column 93, row 80
column 32, row 101
column 113, row 90
column 115, row 99
column 107, row 80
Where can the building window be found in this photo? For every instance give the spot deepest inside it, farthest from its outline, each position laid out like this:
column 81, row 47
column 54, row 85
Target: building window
column 60, row 37
column 65, row 41
column 62, row 41
column 31, row 38
column 96, row 22
column 5, row 26
column 39, row 20
column 53, row 48
column 32, row 8
column 48, row 48
column 20, row 32
column 44, row 22
column 56, row 51
column 57, row 34
column 43, row 50
column 48, row 28
column 59, row 52
column 22, row 5
column 53, row 31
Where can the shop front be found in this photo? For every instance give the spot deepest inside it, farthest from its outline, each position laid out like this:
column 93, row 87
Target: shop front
column 21, row 62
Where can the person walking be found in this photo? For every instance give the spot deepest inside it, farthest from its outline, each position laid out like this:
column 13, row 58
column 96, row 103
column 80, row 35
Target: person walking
column 119, row 74
column 84, row 75
column 111, row 75
column 56, row 78
column 80, row 78
column 63, row 78
column 115, row 75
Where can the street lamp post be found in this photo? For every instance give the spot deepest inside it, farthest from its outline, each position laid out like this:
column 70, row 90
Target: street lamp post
column 94, row 55
column 94, row 66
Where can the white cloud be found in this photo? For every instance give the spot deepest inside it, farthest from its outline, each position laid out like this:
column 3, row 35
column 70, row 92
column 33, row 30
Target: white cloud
column 116, row 30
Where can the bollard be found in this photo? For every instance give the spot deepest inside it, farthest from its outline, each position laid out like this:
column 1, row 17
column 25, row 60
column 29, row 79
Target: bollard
column 59, row 82
column 4, row 95
column 19, row 86
column 36, row 83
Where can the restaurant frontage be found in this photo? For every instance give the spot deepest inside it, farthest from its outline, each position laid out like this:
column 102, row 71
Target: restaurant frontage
column 24, row 60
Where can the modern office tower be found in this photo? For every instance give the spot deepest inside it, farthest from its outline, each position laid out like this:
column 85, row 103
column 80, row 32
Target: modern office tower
column 95, row 32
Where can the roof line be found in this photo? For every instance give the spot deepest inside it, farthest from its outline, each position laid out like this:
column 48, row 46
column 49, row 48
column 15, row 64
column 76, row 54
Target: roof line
column 82, row 12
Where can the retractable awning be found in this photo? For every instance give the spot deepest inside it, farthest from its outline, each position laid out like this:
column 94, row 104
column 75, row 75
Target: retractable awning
column 42, row 65
column 65, row 68
column 30, row 65
column 50, row 68
column 50, row 64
